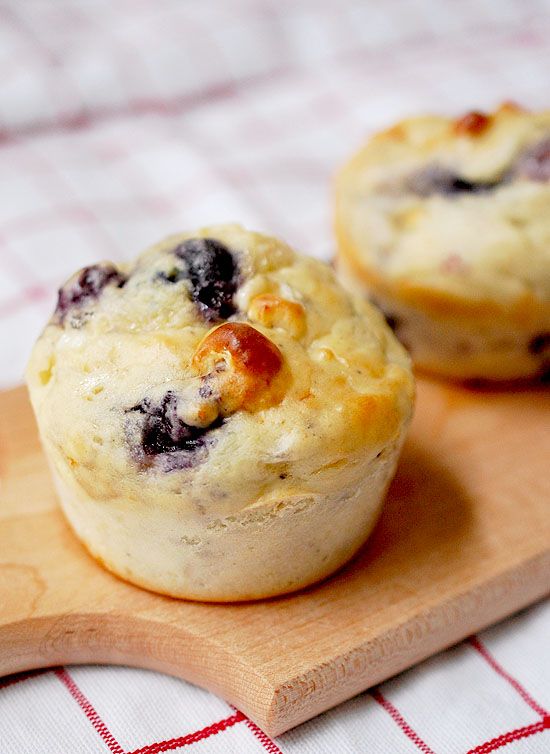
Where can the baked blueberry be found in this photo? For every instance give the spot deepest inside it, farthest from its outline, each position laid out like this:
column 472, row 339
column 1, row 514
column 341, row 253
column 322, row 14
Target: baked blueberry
column 213, row 276
column 436, row 179
column 85, row 287
column 157, row 429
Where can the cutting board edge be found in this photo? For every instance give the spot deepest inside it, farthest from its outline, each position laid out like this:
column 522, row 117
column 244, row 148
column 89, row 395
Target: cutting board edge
column 79, row 638
column 503, row 595
column 279, row 704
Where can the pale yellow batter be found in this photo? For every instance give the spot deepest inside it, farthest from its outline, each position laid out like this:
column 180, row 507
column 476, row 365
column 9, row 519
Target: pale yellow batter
column 222, row 418
column 446, row 225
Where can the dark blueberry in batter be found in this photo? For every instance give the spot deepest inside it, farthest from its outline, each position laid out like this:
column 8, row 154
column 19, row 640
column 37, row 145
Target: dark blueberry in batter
column 534, row 163
column 435, row 179
column 156, row 430
column 539, row 343
column 85, row 287
column 213, row 276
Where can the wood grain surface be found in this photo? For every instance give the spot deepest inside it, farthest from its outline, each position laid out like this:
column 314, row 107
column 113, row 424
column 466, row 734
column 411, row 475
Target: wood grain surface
column 464, row 540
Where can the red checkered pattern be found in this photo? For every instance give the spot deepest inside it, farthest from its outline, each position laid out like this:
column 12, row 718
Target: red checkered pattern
column 122, row 121
column 484, row 695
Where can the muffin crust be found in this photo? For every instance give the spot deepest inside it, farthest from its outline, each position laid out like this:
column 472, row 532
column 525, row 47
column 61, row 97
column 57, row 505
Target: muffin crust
column 446, row 224
column 221, row 417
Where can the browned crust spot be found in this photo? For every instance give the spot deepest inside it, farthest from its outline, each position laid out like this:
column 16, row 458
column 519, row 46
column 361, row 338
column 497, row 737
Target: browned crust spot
column 473, row 123
column 274, row 311
column 510, row 106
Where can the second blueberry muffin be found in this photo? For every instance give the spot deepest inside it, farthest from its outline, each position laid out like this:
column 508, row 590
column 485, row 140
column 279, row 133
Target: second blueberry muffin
column 222, row 419
column 445, row 223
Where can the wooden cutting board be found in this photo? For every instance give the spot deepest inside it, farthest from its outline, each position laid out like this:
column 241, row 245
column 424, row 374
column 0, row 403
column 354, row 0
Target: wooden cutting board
column 464, row 540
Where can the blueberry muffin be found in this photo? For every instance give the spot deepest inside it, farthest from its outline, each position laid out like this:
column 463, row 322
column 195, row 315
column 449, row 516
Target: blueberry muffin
column 445, row 224
column 222, row 419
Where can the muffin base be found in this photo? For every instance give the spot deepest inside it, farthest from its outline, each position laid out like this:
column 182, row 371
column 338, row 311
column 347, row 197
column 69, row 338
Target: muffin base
column 465, row 350
column 259, row 552
column 458, row 347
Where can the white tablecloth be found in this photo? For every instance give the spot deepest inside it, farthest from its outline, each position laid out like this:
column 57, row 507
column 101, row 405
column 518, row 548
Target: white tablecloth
column 122, row 121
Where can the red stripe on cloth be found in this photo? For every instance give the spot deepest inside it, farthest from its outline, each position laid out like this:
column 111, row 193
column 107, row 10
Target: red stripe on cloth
column 168, row 107
column 15, row 266
column 52, row 217
column 27, row 296
column 48, row 169
column 513, row 735
column 191, row 738
column 268, row 744
column 86, row 706
column 398, row 718
column 514, row 683
column 154, row 748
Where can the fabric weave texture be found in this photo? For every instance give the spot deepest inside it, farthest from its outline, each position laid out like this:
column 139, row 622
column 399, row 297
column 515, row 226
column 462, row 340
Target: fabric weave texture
column 122, row 122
